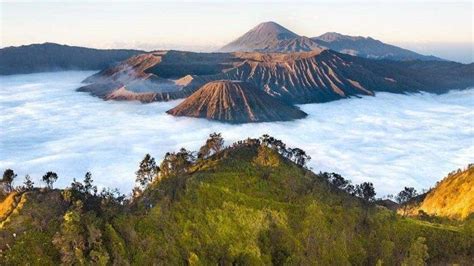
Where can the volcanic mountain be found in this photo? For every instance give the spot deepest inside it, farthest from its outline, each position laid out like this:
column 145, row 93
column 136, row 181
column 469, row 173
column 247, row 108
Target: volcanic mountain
column 235, row 102
column 270, row 37
column 305, row 77
column 367, row 47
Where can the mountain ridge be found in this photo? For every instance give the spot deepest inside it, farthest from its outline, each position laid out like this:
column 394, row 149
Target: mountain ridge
column 368, row 47
column 48, row 56
column 265, row 37
column 303, row 77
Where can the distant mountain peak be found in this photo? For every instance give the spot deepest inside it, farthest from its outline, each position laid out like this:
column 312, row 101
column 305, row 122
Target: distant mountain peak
column 367, row 47
column 335, row 36
column 270, row 37
column 272, row 29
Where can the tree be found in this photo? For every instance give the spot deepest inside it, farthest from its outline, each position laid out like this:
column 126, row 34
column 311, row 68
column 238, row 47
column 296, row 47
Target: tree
column 29, row 184
column 267, row 157
column 418, row 253
column 213, row 145
column 8, row 177
column 365, row 191
column 88, row 187
column 70, row 240
column 77, row 186
column 300, row 156
column 404, row 196
column 147, row 171
column 177, row 163
column 49, row 178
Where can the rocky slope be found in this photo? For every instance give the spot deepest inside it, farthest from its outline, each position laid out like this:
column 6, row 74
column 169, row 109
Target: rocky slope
column 306, row 77
column 55, row 57
column 321, row 76
column 235, row 102
column 367, row 47
column 157, row 76
column 452, row 197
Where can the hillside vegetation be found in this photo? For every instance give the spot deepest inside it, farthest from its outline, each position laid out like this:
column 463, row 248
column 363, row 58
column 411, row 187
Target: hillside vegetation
column 253, row 203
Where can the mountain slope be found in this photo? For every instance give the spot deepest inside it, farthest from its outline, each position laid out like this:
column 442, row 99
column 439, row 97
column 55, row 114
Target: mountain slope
column 321, row 76
column 306, row 77
column 270, row 37
column 367, row 47
column 235, row 102
column 452, row 197
column 244, row 205
column 55, row 57
column 157, row 76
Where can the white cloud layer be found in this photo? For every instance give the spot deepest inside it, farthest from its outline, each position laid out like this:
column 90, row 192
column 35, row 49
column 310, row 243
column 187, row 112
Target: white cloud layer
column 391, row 140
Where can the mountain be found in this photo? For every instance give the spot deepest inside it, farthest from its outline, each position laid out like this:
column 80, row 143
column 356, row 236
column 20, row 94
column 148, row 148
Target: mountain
column 270, row 37
column 367, row 47
column 295, row 78
column 55, row 57
column 235, row 102
column 247, row 204
column 322, row 76
column 157, row 76
column 452, row 197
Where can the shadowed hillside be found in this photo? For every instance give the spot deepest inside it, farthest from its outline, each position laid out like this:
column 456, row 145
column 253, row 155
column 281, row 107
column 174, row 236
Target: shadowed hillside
column 55, row 57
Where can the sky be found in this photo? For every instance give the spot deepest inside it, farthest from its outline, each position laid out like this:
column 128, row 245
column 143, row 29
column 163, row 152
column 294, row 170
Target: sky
column 443, row 28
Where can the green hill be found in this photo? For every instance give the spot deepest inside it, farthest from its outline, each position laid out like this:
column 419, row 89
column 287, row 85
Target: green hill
column 253, row 203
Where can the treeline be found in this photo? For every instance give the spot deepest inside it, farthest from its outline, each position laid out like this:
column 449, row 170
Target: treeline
column 181, row 162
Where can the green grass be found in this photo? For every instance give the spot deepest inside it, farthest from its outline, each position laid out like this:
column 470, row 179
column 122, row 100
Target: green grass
column 232, row 210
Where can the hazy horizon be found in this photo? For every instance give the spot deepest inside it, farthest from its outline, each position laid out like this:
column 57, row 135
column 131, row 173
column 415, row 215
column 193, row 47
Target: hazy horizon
column 442, row 29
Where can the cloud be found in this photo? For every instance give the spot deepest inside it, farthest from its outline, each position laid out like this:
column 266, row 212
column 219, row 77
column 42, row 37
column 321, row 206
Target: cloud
column 391, row 140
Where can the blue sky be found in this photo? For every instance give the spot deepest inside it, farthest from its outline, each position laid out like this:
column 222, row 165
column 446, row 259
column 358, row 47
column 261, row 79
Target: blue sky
column 426, row 26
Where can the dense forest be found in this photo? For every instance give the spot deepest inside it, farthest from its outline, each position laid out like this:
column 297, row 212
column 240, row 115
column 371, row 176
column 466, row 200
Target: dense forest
column 251, row 203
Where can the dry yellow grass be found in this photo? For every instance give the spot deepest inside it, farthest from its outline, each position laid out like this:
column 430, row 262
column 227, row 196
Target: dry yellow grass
column 7, row 206
column 453, row 197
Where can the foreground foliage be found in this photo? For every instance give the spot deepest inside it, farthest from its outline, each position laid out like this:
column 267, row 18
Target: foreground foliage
column 253, row 203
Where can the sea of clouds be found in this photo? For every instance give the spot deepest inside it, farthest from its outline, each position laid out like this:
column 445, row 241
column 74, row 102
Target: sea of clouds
column 391, row 140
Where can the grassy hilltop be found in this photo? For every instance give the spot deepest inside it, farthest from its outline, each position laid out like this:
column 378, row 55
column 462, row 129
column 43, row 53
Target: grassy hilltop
column 253, row 203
